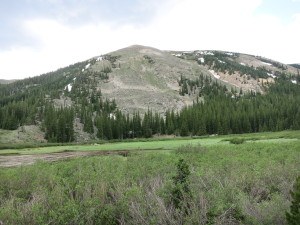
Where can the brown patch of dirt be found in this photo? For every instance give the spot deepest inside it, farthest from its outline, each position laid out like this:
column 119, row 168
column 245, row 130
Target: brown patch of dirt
column 14, row 160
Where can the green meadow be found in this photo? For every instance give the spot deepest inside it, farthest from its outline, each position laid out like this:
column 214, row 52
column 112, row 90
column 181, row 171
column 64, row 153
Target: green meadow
column 148, row 144
column 207, row 180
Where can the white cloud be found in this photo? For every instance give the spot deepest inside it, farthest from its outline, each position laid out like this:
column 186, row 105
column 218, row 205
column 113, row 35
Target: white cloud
column 61, row 46
column 228, row 25
column 179, row 25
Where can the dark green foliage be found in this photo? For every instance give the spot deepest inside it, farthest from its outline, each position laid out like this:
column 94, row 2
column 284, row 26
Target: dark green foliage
column 106, row 70
column 295, row 65
column 112, row 59
column 149, row 59
column 237, row 141
column 221, row 112
column 293, row 217
column 58, row 124
column 181, row 189
column 221, row 62
column 202, row 86
column 276, row 64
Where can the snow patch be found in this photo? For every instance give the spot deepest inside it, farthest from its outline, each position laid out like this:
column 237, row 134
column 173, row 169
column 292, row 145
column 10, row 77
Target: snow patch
column 74, row 78
column 243, row 64
column 214, row 74
column 206, row 53
column 201, row 60
column 177, row 55
column 100, row 58
column 68, row 87
column 87, row 66
column 112, row 116
column 229, row 53
column 220, row 61
column 82, row 70
column 271, row 75
column 269, row 64
column 294, row 81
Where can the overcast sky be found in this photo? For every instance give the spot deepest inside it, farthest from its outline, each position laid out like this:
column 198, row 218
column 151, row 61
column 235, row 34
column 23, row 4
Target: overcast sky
column 39, row 36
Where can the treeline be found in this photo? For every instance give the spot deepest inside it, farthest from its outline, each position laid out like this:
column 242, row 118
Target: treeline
column 203, row 86
column 58, row 124
column 218, row 114
column 222, row 64
column 23, row 102
column 276, row 64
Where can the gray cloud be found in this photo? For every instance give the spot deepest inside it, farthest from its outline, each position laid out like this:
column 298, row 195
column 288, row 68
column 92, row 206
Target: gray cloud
column 70, row 12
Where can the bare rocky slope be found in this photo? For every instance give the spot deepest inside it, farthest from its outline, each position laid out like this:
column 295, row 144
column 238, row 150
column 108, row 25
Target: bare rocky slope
column 143, row 77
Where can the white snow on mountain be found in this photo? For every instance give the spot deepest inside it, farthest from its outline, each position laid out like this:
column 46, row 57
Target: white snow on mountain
column 271, row 75
column 214, row 74
column 68, row 87
column 201, row 60
column 269, row 64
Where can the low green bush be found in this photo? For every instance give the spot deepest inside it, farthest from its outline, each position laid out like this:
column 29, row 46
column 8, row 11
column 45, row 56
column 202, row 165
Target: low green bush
column 237, row 141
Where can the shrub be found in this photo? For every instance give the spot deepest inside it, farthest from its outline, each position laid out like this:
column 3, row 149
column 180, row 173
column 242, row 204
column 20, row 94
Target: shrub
column 189, row 149
column 181, row 184
column 237, row 141
column 293, row 217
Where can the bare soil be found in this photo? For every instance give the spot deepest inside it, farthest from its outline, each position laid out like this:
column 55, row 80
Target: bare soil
column 14, row 160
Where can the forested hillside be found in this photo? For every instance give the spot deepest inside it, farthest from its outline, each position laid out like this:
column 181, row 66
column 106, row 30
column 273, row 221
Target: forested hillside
column 74, row 100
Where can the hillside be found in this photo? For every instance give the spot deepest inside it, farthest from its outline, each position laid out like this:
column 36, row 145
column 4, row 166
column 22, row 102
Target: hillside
column 2, row 81
column 144, row 77
column 141, row 91
column 296, row 65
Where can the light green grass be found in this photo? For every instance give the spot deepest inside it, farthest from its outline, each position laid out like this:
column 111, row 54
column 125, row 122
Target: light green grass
column 166, row 144
column 7, row 136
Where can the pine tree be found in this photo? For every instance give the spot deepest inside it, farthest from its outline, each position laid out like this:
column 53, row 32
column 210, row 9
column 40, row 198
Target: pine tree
column 181, row 184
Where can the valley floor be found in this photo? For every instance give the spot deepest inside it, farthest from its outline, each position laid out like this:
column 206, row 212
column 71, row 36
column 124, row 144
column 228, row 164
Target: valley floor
column 141, row 182
column 28, row 156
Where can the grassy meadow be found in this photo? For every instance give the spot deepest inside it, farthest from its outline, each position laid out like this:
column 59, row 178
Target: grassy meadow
column 217, row 183
column 162, row 143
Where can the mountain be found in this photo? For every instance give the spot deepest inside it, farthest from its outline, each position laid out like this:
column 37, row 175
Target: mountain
column 142, row 77
column 141, row 91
